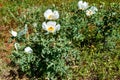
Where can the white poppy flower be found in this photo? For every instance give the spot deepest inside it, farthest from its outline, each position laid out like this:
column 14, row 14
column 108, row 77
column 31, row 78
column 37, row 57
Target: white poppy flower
column 51, row 15
column 28, row 50
column 82, row 5
column 91, row 11
column 51, row 26
column 14, row 33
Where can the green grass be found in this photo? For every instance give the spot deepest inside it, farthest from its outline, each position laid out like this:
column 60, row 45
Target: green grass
column 92, row 65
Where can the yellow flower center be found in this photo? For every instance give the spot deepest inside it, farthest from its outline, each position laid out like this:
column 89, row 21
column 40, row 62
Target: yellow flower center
column 90, row 12
column 50, row 16
column 51, row 29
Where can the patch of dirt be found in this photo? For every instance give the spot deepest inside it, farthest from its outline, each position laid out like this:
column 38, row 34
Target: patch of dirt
column 10, row 73
column 5, row 47
column 6, row 71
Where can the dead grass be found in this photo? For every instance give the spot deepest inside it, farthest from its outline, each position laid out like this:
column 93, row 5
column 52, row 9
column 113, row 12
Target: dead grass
column 9, row 73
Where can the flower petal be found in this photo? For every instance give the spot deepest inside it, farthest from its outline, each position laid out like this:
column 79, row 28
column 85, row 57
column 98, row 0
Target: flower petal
column 47, row 13
column 57, row 27
column 82, row 5
column 56, row 14
column 44, row 25
column 28, row 50
column 93, row 8
column 80, row 2
column 51, row 23
column 14, row 33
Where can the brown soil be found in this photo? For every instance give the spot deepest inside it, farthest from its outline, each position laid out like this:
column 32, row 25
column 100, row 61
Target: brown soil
column 6, row 71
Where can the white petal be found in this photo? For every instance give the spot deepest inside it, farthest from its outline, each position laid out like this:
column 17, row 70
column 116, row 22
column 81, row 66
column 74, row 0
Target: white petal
column 93, row 8
column 14, row 33
column 51, row 23
column 47, row 13
column 44, row 25
column 82, row 5
column 79, row 4
column 85, row 5
column 28, row 50
column 56, row 14
column 58, row 27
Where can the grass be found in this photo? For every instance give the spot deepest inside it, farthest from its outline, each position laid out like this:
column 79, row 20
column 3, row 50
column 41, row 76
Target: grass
column 92, row 66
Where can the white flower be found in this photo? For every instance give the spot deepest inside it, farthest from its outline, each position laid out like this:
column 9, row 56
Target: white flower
column 28, row 50
column 91, row 11
column 14, row 33
column 51, row 26
column 82, row 5
column 51, row 15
